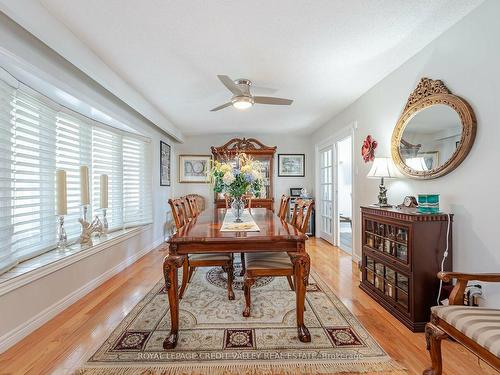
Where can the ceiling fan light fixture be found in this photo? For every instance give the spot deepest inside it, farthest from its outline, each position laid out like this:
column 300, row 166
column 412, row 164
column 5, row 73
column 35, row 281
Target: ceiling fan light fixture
column 242, row 102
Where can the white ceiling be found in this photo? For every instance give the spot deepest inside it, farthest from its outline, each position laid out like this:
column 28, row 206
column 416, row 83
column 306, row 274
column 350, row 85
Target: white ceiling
column 323, row 54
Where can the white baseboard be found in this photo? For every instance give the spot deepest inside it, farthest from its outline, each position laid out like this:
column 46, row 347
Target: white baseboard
column 23, row 330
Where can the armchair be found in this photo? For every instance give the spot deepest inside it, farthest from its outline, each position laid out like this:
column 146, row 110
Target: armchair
column 478, row 329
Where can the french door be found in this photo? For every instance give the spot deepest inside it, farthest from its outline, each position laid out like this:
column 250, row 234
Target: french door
column 326, row 193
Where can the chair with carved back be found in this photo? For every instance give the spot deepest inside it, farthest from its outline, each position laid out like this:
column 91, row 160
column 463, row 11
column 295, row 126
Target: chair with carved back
column 271, row 264
column 192, row 202
column 283, row 207
column 247, row 198
column 225, row 261
column 187, row 209
column 476, row 328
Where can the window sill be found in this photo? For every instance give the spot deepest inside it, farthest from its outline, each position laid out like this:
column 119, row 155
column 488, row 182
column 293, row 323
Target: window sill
column 51, row 261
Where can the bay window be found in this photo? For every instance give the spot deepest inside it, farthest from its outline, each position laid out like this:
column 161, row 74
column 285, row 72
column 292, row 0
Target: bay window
column 37, row 137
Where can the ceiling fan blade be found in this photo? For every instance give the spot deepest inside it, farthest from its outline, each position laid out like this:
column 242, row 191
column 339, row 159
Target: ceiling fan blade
column 261, row 90
column 221, row 107
column 272, row 100
column 231, row 86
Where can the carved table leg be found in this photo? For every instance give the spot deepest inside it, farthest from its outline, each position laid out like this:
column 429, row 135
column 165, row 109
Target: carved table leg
column 301, row 264
column 433, row 336
column 247, row 285
column 170, row 265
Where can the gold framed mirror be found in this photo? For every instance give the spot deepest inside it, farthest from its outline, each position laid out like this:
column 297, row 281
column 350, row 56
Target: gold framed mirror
column 435, row 132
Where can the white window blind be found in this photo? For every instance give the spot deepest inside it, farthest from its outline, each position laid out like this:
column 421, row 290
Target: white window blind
column 32, row 203
column 107, row 159
column 36, row 139
column 137, row 202
column 73, row 149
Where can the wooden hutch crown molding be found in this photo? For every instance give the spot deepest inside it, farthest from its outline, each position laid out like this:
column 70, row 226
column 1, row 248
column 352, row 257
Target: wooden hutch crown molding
column 248, row 146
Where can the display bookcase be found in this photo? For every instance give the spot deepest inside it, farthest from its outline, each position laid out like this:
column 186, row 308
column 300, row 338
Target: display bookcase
column 258, row 151
column 401, row 255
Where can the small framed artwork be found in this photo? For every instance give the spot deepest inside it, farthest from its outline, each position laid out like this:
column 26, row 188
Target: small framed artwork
column 295, row 192
column 291, row 165
column 194, row 168
column 164, row 164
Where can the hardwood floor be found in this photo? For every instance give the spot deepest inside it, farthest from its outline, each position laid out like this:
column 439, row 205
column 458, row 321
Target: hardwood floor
column 64, row 343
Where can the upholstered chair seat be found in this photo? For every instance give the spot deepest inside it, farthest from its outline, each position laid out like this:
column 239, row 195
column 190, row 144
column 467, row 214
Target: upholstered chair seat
column 210, row 257
column 479, row 324
column 270, row 260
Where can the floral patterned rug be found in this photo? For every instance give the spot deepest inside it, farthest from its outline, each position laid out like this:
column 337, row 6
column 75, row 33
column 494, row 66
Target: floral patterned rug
column 216, row 339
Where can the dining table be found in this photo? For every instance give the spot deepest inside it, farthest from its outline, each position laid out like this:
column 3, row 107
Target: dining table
column 203, row 235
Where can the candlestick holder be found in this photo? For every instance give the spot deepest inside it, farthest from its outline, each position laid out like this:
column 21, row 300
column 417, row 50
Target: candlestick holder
column 62, row 238
column 85, row 208
column 105, row 226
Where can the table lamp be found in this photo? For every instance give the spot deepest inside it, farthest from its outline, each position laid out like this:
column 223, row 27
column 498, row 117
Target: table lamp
column 383, row 168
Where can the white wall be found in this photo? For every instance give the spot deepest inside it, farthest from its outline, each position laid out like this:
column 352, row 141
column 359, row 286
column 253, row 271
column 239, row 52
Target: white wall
column 467, row 59
column 26, row 308
column 286, row 144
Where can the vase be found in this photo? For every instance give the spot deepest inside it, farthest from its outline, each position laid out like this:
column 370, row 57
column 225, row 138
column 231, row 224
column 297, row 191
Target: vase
column 237, row 207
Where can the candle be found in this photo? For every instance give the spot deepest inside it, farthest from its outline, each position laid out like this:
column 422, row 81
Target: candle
column 84, row 185
column 61, row 190
column 104, row 191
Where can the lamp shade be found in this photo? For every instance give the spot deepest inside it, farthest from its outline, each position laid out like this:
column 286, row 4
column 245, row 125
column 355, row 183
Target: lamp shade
column 417, row 164
column 383, row 168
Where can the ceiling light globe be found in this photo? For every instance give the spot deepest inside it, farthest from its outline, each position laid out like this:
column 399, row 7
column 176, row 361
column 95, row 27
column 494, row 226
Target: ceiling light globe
column 242, row 102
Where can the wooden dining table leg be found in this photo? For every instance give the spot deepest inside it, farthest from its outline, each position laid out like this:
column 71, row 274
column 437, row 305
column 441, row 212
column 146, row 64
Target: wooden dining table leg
column 301, row 264
column 170, row 265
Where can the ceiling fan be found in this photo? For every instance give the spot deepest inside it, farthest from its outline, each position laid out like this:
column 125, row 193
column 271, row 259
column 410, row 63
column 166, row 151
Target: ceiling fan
column 242, row 98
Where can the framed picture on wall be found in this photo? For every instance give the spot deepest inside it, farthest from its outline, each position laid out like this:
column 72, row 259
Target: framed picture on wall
column 291, row 165
column 164, row 164
column 194, row 168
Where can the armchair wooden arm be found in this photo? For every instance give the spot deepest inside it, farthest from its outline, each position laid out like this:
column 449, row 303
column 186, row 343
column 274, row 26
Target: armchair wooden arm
column 457, row 294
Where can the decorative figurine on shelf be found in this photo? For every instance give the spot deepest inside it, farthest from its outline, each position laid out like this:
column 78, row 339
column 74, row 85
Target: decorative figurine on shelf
column 368, row 149
column 88, row 229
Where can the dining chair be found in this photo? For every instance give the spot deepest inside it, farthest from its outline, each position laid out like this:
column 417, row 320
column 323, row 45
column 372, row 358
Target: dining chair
column 270, row 264
column 193, row 205
column 283, row 207
column 247, row 198
column 193, row 261
column 187, row 209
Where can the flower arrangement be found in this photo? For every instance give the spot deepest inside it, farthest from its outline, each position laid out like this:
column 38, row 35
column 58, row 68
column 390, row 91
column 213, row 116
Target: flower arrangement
column 239, row 178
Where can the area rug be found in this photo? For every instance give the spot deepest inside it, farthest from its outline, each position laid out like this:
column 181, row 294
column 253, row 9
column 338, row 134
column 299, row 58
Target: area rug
column 216, row 339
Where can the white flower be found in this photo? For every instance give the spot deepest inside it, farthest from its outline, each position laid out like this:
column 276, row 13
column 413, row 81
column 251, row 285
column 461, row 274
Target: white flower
column 256, row 174
column 228, row 178
column 225, row 168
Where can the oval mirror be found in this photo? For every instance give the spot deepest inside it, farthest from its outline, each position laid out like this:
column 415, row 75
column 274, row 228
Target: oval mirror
column 434, row 134
column 430, row 138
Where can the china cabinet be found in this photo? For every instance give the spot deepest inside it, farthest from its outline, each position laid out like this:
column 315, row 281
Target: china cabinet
column 258, row 151
column 401, row 255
